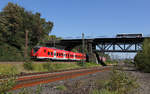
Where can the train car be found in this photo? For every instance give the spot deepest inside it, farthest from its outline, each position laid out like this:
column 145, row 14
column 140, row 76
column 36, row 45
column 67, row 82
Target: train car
column 129, row 36
column 55, row 54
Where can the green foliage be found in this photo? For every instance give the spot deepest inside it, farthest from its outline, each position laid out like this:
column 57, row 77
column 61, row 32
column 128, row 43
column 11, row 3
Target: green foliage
column 53, row 37
column 24, row 91
column 7, row 69
column 38, row 67
column 48, row 66
column 111, row 62
column 90, row 64
column 39, row 89
column 121, row 82
column 128, row 61
column 61, row 87
column 142, row 59
column 15, row 21
column 104, row 91
column 8, row 83
column 79, row 49
column 28, row 65
column 10, row 53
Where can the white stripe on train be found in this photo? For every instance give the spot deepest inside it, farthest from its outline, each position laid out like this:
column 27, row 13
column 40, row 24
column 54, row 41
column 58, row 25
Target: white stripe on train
column 56, row 58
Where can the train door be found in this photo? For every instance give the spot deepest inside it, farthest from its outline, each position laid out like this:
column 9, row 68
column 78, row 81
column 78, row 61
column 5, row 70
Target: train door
column 64, row 55
column 74, row 55
column 54, row 54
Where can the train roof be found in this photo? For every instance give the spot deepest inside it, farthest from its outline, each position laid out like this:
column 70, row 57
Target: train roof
column 56, row 49
column 128, row 34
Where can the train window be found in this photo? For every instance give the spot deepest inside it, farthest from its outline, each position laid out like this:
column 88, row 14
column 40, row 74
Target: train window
column 44, row 50
column 48, row 53
column 51, row 53
column 35, row 50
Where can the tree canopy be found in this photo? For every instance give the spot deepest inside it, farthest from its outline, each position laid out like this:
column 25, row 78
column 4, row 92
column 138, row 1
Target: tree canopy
column 15, row 21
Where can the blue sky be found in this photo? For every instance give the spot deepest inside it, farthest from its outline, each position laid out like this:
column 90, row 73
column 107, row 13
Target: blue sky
column 92, row 17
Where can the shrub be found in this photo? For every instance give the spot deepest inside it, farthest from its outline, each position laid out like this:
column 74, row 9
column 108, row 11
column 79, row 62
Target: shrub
column 8, row 69
column 38, row 67
column 28, row 65
column 142, row 59
column 10, row 53
column 7, row 83
column 103, row 91
column 48, row 66
column 61, row 87
column 121, row 82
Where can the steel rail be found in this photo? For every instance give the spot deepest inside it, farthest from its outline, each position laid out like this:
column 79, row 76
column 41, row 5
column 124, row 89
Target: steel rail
column 28, row 81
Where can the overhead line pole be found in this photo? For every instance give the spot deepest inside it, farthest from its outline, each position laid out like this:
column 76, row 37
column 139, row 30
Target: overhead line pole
column 82, row 47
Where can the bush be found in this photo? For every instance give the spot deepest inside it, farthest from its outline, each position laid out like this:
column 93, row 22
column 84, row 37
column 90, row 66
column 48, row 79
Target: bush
column 38, row 67
column 10, row 53
column 110, row 62
column 121, row 82
column 7, row 69
column 91, row 64
column 28, row 65
column 6, row 85
column 61, row 87
column 142, row 59
column 48, row 66
column 103, row 91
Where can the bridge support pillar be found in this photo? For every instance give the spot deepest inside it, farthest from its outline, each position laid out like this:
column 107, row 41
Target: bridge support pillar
column 91, row 48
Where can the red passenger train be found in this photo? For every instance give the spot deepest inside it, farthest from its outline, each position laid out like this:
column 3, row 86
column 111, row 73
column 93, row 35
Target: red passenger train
column 56, row 54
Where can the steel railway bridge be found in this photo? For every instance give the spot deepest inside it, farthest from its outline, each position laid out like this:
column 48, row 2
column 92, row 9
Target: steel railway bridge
column 102, row 45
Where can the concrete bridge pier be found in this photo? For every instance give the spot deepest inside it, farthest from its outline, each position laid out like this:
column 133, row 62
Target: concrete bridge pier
column 90, row 49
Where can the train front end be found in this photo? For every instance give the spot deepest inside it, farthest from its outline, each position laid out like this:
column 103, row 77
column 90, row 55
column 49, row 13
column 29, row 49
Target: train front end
column 35, row 52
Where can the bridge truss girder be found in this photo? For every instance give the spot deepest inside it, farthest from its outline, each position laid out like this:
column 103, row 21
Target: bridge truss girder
column 119, row 47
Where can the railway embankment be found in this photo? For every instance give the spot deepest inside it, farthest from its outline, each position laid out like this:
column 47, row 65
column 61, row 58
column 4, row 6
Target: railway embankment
column 118, row 80
column 123, row 79
column 32, row 67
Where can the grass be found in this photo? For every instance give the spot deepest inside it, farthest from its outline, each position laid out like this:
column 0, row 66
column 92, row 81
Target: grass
column 88, row 65
column 6, row 69
column 103, row 91
column 29, row 67
column 61, row 87
column 50, row 66
column 113, row 62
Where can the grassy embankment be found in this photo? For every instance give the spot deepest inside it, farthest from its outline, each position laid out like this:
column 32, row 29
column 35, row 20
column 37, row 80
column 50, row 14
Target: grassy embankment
column 119, row 82
column 28, row 67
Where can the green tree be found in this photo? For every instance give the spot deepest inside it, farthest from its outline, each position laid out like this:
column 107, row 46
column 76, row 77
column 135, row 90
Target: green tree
column 15, row 21
column 142, row 59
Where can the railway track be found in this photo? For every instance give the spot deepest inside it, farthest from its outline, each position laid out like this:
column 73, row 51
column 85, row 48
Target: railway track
column 46, row 77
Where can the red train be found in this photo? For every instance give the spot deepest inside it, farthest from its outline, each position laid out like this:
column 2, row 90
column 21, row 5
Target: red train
column 55, row 54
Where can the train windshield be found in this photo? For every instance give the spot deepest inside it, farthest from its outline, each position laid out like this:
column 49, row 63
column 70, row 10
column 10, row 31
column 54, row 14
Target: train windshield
column 35, row 49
